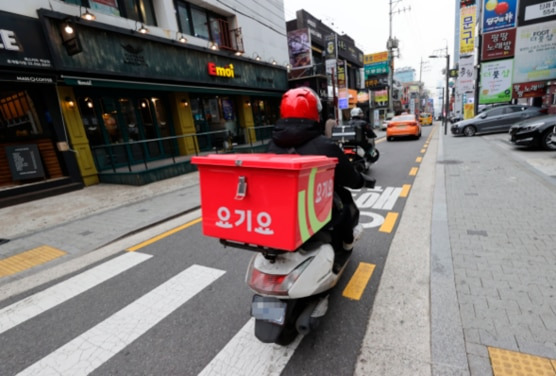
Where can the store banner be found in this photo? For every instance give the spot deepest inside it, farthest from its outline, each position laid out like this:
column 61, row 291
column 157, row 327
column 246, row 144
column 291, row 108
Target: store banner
column 331, row 50
column 468, row 17
column 535, row 11
column 499, row 15
column 496, row 82
column 498, row 44
column 375, row 58
column 535, row 47
column 529, row 90
column 22, row 43
column 466, row 74
column 299, row 47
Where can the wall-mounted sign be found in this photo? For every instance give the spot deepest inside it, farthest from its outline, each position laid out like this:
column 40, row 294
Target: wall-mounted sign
column 496, row 82
column 22, row 44
column 25, row 162
column 529, row 89
column 499, row 14
column 215, row 70
column 467, row 29
column 535, row 11
column 534, row 52
column 375, row 58
column 498, row 44
column 299, row 48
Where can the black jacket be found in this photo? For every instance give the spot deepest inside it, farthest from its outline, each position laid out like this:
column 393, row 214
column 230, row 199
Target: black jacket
column 304, row 137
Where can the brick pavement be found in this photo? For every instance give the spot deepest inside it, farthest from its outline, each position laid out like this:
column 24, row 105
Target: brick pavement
column 502, row 226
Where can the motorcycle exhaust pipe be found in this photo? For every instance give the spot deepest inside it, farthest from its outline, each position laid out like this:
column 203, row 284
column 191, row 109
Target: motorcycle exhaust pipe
column 305, row 323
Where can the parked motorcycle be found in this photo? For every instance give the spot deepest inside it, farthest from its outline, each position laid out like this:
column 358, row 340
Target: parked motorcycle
column 291, row 283
column 352, row 141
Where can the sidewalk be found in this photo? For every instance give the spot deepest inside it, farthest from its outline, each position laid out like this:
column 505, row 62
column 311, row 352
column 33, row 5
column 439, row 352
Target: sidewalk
column 484, row 278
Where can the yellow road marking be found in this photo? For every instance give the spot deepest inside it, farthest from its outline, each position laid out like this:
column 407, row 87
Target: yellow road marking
column 505, row 363
column 413, row 171
column 423, row 151
column 359, row 281
column 164, row 235
column 405, row 190
column 389, row 222
column 419, row 159
column 28, row 259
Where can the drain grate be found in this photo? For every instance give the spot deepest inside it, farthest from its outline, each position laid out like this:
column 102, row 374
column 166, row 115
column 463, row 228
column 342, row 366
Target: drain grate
column 2, row 241
column 477, row 232
column 449, row 161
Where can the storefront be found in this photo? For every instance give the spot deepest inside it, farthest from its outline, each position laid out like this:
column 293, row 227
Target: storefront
column 130, row 99
column 35, row 159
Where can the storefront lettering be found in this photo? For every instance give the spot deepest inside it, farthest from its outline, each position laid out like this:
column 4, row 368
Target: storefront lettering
column 35, row 79
column 8, row 41
column 85, row 82
column 215, row 70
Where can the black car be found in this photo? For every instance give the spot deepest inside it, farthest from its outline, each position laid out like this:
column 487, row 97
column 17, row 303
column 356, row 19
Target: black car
column 538, row 132
column 496, row 119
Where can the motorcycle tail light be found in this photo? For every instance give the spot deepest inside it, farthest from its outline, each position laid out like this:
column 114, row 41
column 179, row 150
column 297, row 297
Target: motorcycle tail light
column 273, row 284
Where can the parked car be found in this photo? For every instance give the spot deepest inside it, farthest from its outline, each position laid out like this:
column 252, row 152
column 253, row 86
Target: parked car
column 405, row 125
column 497, row 119
column 539, row 131
column 425, row 118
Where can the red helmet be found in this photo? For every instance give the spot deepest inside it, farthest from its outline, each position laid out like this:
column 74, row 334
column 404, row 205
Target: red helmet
column 301, row 102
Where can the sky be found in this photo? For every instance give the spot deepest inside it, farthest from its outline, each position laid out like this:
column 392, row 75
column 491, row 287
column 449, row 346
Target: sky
column 423, row 28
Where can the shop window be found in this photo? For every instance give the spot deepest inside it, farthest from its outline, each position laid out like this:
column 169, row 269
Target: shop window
column 90, row 121
column 127, row 110
column 109, row 119
column 161, row 117
column 18, row 117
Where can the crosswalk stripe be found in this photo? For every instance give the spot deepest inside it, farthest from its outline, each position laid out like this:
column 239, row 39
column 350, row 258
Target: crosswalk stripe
column 38, row 303
column 87, row 352
column 245, row 355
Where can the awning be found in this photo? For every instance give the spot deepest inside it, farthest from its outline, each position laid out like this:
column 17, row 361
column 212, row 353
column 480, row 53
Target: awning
column 122, row 84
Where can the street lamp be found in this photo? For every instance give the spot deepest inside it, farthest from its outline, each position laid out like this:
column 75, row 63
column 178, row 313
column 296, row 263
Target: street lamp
column 446, row 96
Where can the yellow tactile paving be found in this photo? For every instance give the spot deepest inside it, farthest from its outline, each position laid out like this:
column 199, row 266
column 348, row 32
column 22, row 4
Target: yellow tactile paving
column 28, row 259
column 512, row 363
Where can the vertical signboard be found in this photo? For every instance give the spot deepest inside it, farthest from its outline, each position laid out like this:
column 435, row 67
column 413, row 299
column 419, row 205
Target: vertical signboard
column 343, row 94
column 466, row 74
column 467, row 29
column 499, row 15
column 299, row 48
column 496, row 82
column 535, row 47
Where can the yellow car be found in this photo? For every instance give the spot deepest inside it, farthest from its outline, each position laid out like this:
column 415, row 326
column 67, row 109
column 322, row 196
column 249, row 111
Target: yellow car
column 425, row 118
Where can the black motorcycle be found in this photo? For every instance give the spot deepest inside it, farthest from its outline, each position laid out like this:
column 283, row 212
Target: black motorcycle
column 360, row 148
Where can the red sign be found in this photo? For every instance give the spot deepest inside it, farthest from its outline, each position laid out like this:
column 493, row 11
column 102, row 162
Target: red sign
column 529, row 89
column 498, row 44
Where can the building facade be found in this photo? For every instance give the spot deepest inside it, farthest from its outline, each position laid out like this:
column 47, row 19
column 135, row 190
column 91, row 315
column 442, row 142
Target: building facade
column 127, row 96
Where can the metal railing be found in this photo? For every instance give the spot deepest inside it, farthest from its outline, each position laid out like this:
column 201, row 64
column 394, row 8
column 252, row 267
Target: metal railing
column 144, row 155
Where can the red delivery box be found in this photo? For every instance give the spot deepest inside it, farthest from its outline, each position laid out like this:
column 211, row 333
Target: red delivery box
column 270, row 200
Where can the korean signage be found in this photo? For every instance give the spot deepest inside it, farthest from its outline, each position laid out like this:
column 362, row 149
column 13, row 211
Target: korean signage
column 376, row 69
column 343, row 93
column 331, row 46
column 529, row 89
column 535, row 11
column 376, row 82
column 466, row 74
column 375, row 58
column 22, row 44
column 498, row 44
column 499, row 15
column 299, row 47
column 535, row 47
column 496, row 82
column 467, row 29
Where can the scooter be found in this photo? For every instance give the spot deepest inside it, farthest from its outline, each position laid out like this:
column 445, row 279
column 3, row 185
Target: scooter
column 291, row 274
column 292, row 288
column 348, row 139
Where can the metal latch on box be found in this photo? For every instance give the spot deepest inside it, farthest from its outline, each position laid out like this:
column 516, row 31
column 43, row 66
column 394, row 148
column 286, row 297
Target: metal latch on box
column 241, row 188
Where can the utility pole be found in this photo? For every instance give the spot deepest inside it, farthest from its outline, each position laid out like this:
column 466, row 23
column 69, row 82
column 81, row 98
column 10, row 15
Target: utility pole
column 391, row 45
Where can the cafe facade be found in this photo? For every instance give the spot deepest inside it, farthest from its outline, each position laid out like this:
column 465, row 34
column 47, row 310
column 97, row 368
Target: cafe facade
column 127, row 107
